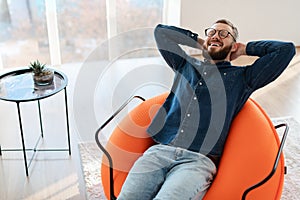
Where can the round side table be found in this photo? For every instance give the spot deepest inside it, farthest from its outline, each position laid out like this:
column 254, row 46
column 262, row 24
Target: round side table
column 18, row 86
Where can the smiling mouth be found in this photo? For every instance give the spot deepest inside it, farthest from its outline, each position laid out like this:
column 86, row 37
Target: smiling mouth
column 215, row 45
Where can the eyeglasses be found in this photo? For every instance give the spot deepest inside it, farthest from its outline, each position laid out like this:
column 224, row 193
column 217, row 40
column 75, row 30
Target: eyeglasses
column 210, row 32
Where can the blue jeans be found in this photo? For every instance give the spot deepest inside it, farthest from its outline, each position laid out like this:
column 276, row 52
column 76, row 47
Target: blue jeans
column 166, row 172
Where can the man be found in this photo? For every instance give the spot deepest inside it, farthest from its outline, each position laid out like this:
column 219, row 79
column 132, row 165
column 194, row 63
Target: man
column 192, row 125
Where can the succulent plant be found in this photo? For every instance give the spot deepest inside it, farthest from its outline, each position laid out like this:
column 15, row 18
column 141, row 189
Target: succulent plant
column 38, row 69
column 41, row 74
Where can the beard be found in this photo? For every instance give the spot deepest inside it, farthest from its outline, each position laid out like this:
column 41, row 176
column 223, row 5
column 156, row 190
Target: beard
column 218, row 55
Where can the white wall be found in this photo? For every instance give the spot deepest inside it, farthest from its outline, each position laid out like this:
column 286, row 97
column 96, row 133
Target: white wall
column 255, row 19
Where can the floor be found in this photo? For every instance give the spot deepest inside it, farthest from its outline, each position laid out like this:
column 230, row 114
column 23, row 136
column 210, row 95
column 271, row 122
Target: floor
column 56, row 175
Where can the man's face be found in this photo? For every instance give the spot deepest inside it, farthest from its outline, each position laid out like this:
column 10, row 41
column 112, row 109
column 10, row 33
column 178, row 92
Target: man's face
column 217, row 48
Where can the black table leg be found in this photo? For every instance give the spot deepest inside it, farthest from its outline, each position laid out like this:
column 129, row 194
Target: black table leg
column 67, row 120
column 40, row 115
column 22, row 137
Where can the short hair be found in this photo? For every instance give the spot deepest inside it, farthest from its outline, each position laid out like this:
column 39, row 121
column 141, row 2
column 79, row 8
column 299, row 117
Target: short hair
column 234, row 29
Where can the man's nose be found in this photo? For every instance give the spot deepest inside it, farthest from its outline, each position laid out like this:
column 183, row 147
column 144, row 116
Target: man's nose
column 216, row 35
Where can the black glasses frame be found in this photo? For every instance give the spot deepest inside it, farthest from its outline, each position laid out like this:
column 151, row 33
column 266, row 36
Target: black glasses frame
column 219, row 33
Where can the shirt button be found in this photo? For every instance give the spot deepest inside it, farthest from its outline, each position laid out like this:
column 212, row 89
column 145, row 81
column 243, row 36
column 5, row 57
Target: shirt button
column 181, row 130
column 205, row 73
column 195, row 98
column 224, row 73
column 200, row 83
column 188, row 115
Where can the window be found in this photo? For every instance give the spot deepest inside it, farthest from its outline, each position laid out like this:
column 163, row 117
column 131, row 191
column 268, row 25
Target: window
column 138, row 17
column 23, row 35
column 81, row 27
column 132, row 14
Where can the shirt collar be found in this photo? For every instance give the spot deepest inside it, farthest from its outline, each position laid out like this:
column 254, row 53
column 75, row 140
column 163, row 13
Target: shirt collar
column 219, row 64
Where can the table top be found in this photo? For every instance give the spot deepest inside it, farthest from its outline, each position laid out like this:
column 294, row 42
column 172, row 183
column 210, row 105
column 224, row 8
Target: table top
column 18, row 86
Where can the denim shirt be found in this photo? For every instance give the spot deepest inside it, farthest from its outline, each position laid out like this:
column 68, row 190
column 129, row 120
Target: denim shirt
column 205, row 97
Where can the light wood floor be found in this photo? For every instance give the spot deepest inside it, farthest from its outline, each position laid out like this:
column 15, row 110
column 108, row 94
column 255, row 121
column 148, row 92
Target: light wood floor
column 56, row 175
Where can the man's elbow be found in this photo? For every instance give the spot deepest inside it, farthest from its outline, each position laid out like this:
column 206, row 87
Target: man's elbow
column 291, row 48
column 158, row 29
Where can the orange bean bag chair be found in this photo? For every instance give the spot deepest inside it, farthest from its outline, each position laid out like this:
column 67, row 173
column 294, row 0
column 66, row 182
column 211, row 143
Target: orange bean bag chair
column 248, row 157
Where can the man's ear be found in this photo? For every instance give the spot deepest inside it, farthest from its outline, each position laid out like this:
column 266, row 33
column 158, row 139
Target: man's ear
column 234, row 47
column 234, row 51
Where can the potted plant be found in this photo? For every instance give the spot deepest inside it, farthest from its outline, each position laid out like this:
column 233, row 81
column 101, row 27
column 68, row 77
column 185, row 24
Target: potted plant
column 41, row 74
